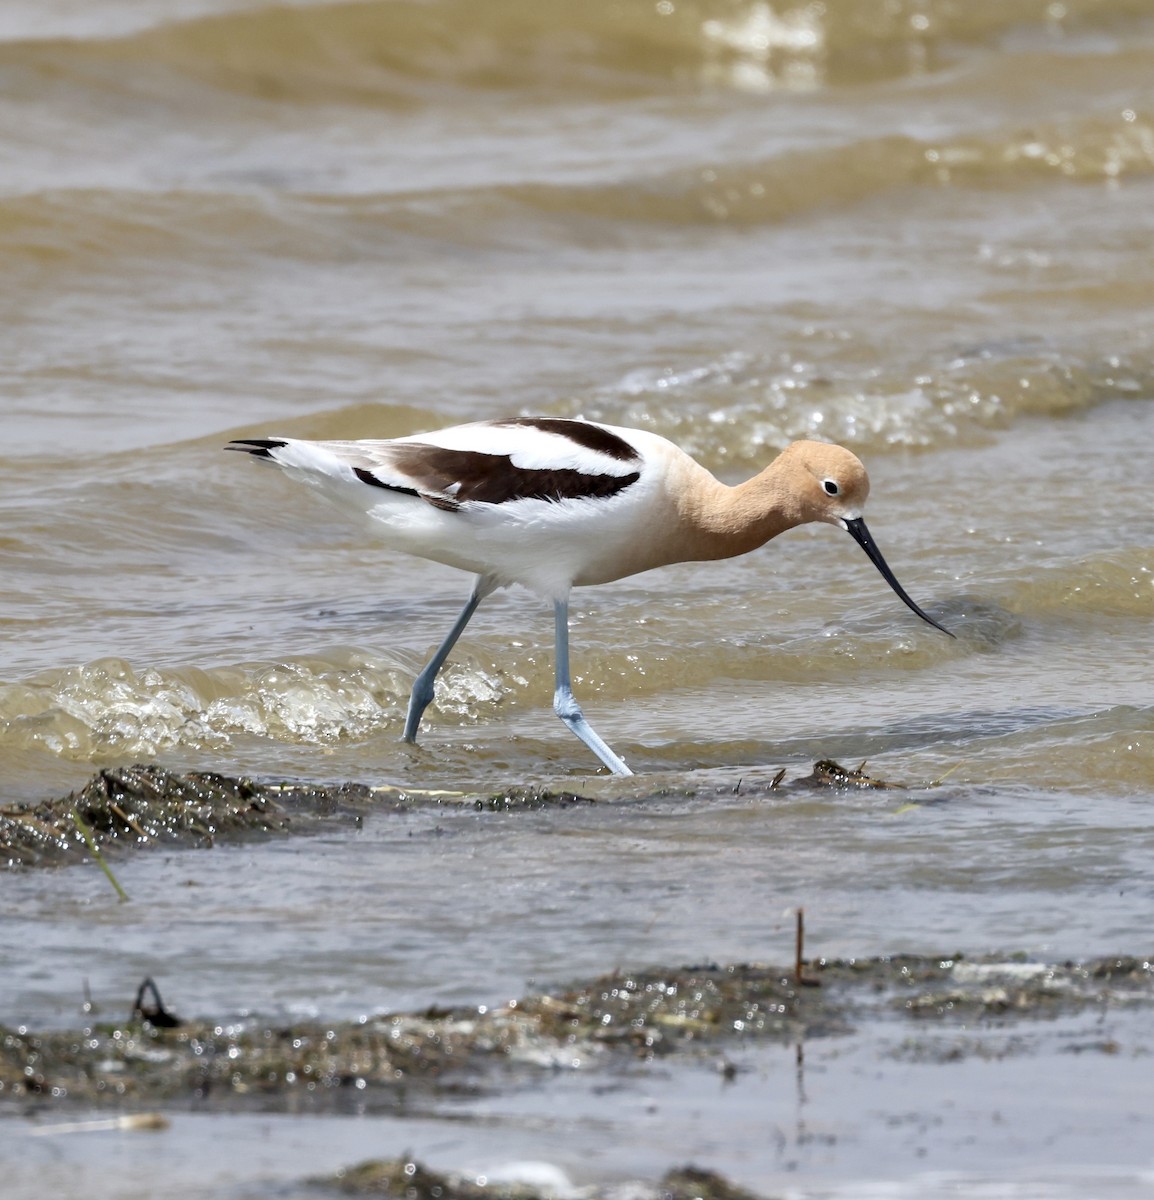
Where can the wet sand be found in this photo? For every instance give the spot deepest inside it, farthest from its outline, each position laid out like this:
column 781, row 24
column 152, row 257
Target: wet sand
column 147, row 805
column 940, row 1067
column 798, row 1068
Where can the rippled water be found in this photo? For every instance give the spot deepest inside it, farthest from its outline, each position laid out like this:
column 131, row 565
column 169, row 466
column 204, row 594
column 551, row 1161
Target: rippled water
column 916, row 227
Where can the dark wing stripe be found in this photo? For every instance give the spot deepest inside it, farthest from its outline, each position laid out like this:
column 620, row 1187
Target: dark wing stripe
column 508, row 482
column 257, row 447
column 449, row 478
column 369, row 478
column 443, row 502
column 589, row 437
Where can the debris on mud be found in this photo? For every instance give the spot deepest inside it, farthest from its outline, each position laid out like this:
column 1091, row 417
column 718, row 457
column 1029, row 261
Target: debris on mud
column 389, row 1062
column 378, row 1062
column 147, row 804
column 142, row 804
column 692, row 1183
column 405, row 1179
column 135, row 806
column 529, row 799
column 829, row 774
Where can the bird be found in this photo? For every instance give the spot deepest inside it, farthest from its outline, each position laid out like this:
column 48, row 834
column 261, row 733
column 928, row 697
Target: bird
column 554, row 503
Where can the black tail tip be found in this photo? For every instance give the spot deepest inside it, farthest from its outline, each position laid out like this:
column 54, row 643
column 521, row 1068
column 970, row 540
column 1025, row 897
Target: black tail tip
column 257, row 447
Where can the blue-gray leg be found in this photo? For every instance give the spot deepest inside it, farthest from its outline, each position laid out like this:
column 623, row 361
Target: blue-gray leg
column 422, row 693
column 564, row 704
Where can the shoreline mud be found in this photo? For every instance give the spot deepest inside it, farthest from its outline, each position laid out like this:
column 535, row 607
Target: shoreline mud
column 388, row 1062
column 145, row 804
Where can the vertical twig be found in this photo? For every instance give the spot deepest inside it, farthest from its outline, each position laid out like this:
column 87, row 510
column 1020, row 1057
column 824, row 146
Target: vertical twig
column 799, row 948
column 86, row 834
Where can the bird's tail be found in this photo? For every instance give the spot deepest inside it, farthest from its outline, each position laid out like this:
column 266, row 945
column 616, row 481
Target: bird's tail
column 257, row 447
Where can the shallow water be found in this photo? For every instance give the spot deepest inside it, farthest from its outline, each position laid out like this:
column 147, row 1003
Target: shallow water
column 921, row 229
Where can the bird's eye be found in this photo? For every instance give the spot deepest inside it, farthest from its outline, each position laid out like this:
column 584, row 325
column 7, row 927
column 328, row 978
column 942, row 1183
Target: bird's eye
column 831, row 487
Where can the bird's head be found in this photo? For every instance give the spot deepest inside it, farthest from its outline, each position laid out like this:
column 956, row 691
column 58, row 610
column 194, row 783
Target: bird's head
column 832, row 486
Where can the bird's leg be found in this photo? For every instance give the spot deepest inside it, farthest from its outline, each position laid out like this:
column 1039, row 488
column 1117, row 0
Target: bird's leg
column 564, row 703
column 422, row 692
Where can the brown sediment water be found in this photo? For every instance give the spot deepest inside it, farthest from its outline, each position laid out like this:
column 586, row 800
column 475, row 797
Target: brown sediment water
column 918, row 228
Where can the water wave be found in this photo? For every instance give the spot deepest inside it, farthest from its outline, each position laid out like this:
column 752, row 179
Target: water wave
column 1090, row 150
column 87, row 223
column 108, row 708
column 384, row 52
column 741, row 408
column 1111, row 584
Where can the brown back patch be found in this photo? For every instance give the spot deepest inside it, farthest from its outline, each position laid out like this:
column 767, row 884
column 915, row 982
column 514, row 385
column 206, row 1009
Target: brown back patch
column 453, row 477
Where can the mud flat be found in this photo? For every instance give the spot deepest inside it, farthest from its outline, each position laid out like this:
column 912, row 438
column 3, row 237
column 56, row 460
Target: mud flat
column 712, row 1079
column 684, row 1029
column 382, row 1063
column 148, row 804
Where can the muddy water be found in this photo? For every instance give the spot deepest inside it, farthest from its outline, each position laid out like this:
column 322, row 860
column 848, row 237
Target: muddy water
column 921, row 229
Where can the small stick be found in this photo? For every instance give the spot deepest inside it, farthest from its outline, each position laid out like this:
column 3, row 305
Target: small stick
column 131, row 822
column 156, row 1015
column 389, row 788
column 960, row 763
column 799, row 947
column 86, row 834
column 135, row 1121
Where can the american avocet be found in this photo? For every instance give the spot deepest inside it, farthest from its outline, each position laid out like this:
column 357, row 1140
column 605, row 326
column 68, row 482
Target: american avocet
column 554, row 504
